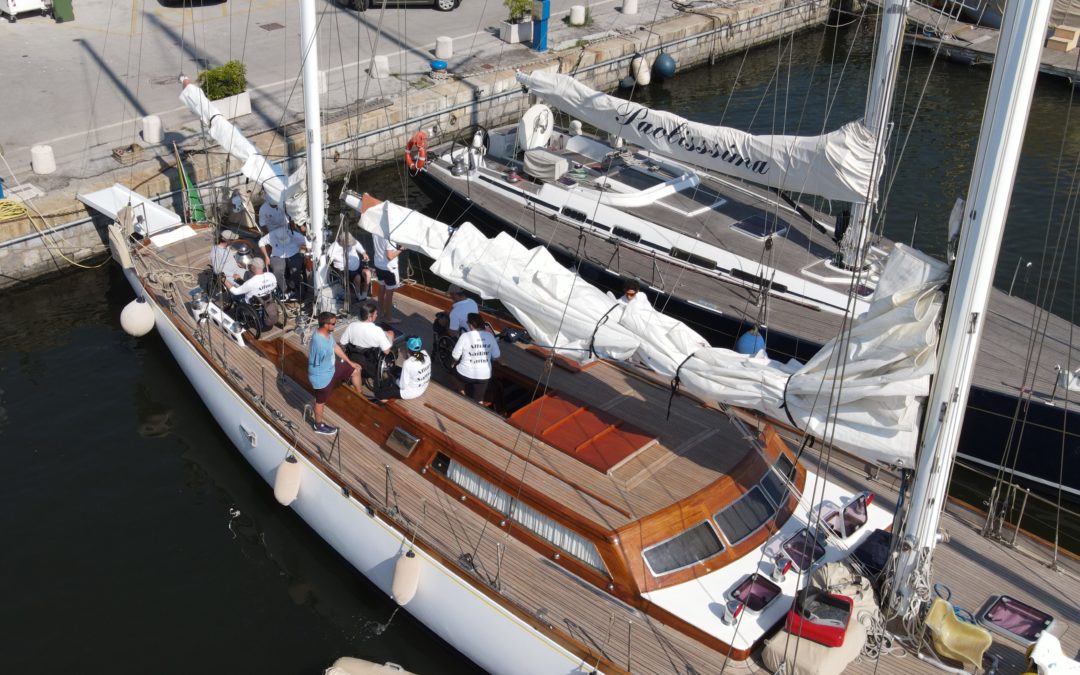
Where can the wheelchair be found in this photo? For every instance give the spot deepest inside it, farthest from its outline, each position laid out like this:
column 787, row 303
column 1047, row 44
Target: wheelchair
column 258, row 314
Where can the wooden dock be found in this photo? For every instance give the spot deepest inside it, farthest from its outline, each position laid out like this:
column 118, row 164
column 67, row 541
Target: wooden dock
column 975, row 45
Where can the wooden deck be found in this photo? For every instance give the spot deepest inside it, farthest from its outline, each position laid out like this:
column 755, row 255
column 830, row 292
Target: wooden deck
column 610, row 632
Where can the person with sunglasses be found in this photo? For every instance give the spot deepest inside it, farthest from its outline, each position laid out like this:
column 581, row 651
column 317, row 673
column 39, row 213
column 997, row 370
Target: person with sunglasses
column 325, row 371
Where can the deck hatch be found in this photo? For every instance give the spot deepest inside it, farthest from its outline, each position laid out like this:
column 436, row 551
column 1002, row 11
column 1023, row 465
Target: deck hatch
column 590, row 436
column 761, row 227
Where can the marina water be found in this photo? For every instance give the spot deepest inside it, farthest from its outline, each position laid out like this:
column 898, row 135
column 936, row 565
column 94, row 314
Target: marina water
column 136, row 537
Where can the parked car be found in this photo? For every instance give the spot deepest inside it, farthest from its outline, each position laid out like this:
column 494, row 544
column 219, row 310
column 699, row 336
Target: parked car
column 441, row 5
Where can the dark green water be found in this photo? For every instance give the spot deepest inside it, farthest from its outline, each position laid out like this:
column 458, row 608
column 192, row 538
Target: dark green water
column 137, row 540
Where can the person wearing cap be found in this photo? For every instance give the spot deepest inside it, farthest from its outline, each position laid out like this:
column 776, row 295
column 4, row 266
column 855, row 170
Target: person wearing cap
column 348, row 249
column 271, row 216
column 461, row 309
column 413, row 375
column 387, row 256
column 223, row 260
column 475, row 352
column 260, row 284
column 281, row 251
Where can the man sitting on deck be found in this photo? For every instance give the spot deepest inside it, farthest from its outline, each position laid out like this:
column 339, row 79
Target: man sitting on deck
column 325, row 372
column 223, row 259
column 366, row 341
column 261, row 283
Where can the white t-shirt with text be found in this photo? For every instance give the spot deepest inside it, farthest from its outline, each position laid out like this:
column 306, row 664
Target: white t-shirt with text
column 255, row 287
column 415, row 376
column 475, row 351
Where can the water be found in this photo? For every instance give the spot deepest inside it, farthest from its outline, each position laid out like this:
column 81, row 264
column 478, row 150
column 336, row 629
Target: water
column 135, row 534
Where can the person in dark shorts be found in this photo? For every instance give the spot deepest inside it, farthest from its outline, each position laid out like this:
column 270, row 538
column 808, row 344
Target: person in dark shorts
column 325, row 371
column 475, row 353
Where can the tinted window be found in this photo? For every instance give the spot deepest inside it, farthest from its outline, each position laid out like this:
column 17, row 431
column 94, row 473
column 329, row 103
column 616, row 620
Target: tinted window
column 804, row 549
column 741, row 518
column 693, row 545
column 773, row 485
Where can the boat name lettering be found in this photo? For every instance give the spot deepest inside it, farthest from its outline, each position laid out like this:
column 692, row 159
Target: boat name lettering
column 679, row 136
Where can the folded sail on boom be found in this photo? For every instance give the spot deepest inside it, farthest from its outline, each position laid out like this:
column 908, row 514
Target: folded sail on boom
column 839, row 165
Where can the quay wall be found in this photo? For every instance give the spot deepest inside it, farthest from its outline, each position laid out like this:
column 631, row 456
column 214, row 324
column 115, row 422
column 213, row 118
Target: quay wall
column 59, row 231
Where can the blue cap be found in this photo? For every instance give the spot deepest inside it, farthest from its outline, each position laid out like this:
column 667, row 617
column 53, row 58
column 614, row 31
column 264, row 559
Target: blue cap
column 414, row 344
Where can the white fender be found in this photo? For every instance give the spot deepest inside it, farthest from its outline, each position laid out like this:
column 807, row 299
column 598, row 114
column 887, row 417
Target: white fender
column 287, row 481
column 137, row 319
column 641, row 70
column 406, row 578
column 347, row 665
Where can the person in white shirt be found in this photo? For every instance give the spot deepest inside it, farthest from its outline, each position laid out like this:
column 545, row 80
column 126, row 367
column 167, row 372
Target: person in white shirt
column 281, row 250
column 365, row 342
column 475, row 352
column 260, row 284
column 461, row 309
column 414, row 374
column 631, row 292
column 223, row 259
column 272, row 216
column 386, row 255
column 348, row 249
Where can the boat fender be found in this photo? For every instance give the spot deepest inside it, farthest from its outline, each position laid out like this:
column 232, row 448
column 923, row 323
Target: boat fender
column 406, row 578
column 664, row 66
column 639, row 68
column 287, row 481
column 750, row 343
column 417, row 143
column 626, row 83
column 348, row 665
column 137, row 319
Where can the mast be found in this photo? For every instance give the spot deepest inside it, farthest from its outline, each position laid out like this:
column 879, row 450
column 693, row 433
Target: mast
column 1001, row 137
column 313, row 123
column 879, row 102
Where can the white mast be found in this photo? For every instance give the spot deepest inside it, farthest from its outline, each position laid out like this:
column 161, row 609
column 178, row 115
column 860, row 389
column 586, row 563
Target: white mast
column 1004, row 121
column 313, row 123
column 879, row 102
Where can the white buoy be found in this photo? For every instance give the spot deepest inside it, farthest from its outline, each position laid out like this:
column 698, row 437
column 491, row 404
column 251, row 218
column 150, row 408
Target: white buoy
column 641, row 70
column 287, row 481
column 347, row 665
column 577, row 15
column 575, row 127
column 137, row 319
column 444, row 47
column 42, row 160
column 406, row 578
column 380, row 66
column 151, row 129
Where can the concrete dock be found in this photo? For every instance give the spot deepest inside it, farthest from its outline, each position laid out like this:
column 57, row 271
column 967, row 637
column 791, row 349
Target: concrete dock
column 83, row 87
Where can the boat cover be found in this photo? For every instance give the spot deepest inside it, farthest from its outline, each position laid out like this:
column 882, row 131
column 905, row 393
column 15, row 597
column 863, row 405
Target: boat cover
column 540, row 163
column 278, row 188
column 839, row 165
column 407, row 228
column 861, row 391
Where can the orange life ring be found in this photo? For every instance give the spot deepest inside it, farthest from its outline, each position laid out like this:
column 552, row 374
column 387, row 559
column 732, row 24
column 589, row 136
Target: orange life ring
column 419, row 143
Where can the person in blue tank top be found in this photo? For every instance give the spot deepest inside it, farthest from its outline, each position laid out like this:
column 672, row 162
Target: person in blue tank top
column 325, row 372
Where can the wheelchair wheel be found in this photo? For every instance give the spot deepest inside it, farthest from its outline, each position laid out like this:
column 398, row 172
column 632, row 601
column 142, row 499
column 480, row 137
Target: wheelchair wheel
column 444, row 348
column 248, row 318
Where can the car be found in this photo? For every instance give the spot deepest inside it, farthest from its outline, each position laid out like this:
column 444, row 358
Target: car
column 441, row 5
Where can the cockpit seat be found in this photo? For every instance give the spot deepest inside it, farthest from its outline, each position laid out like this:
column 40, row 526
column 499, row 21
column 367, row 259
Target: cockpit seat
column 955, row 639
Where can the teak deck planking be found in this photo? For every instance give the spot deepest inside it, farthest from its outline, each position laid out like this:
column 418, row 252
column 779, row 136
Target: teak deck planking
column 624, row 637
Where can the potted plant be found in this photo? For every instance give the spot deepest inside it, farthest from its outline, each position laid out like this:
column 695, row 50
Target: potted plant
column 518, row 27
column 227, row 86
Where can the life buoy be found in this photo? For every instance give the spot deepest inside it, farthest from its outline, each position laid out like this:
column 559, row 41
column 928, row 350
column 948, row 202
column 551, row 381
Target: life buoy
column 418, row 143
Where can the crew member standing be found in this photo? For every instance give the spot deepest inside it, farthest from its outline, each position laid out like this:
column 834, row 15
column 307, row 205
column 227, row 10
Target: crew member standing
column 475, row 352
column 325, row 372
column 387, row 256
column 283, row 257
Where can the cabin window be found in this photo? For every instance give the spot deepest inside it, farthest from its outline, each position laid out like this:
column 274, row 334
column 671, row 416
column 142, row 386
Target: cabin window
column 773, row 485
column 626, row 234
column 740, row 519
column 847, row 521
column 574, row 214
column 804, row 549
column 696, row 260
column 683, row 550
column 529, row 518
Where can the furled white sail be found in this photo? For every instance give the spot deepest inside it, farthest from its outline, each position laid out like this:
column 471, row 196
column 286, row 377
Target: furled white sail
column 278, row 188
column 838, row 165
column 560, row 310
column 407, row 228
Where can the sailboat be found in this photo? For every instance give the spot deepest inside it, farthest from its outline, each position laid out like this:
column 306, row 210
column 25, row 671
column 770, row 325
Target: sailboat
column 588, row 521
column 708, row 221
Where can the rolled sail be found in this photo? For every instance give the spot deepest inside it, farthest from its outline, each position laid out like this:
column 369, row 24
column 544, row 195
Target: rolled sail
column 839, row 165
column 274, row 183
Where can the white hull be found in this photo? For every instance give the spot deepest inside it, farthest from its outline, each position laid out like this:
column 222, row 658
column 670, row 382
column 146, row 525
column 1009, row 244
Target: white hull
column 445, row 602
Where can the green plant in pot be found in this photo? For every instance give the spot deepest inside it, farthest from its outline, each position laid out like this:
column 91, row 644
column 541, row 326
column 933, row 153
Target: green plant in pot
column 519, row 9
column 228, row 79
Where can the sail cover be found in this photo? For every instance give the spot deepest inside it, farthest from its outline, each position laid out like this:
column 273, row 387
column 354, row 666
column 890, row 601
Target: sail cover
column 838, row 165
column 861, row 392
column 407, row 228
column 274, row 183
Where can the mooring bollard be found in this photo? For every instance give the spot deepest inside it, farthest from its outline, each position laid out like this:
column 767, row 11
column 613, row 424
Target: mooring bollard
column 42, row 160
column 444, row 47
